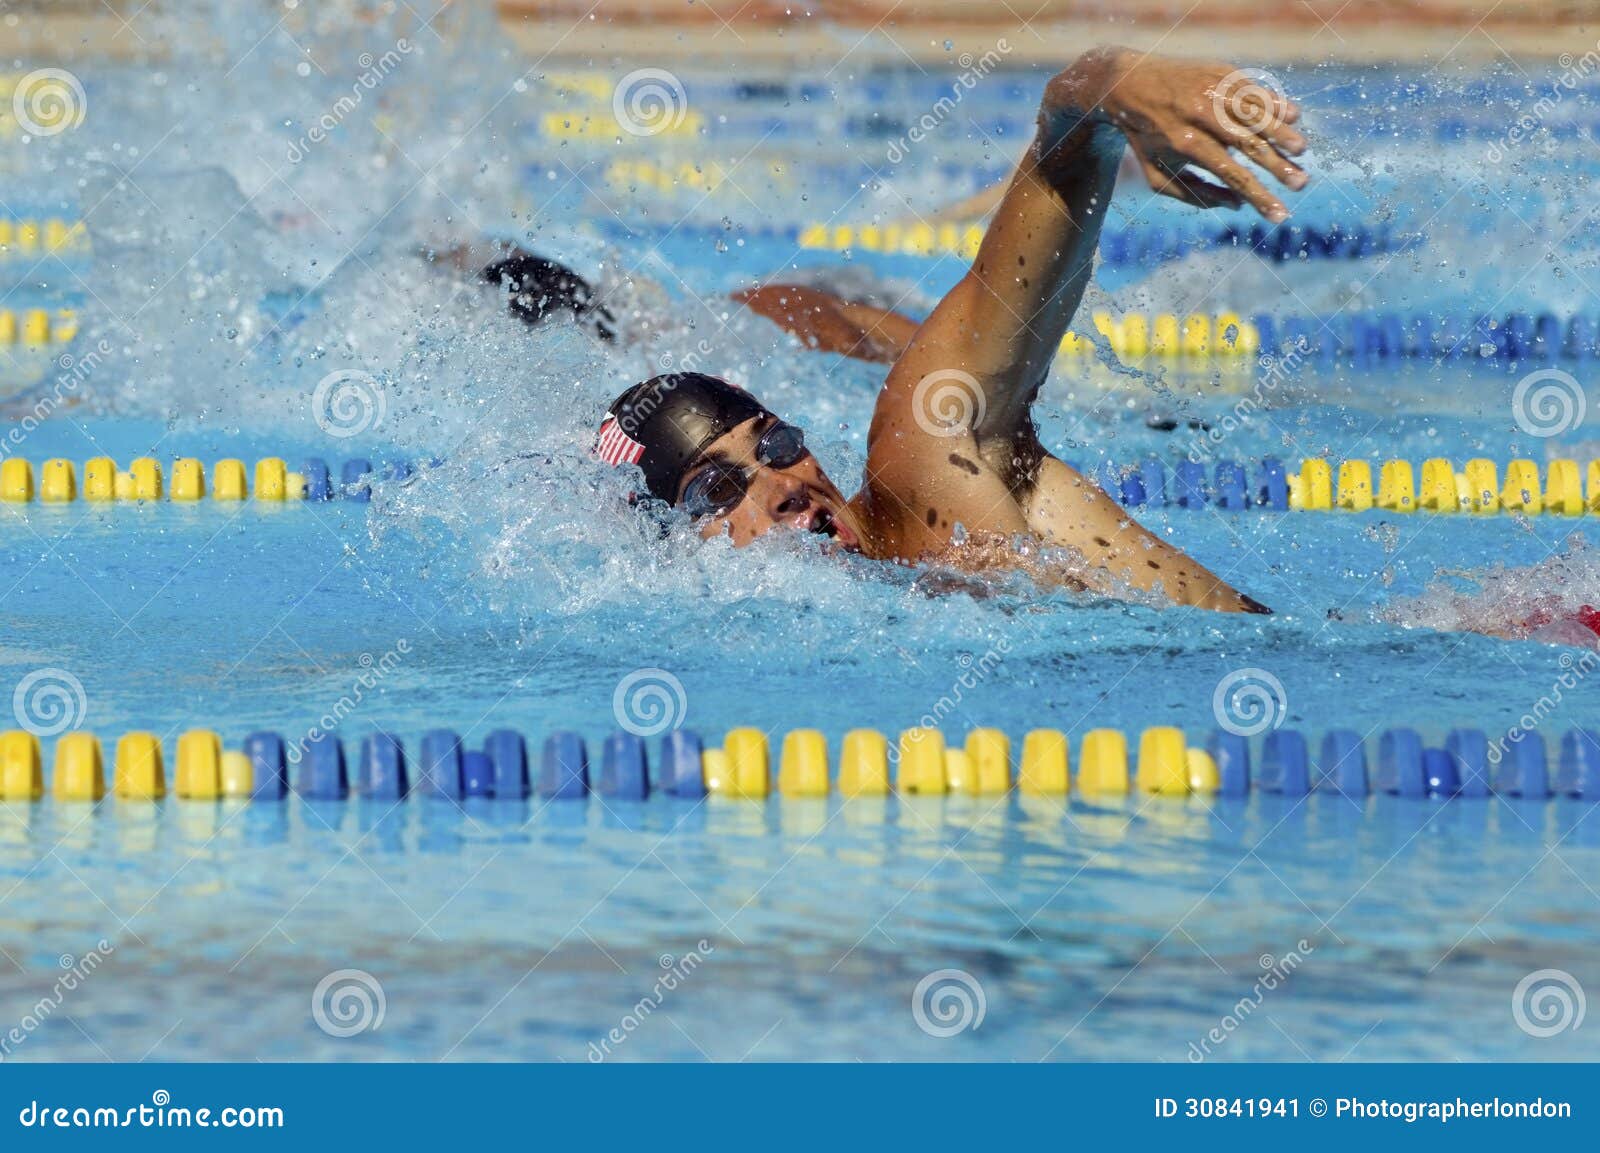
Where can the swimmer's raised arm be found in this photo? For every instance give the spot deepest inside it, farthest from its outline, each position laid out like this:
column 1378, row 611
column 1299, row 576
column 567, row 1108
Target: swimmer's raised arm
column 996, row 332
column 1005, row 320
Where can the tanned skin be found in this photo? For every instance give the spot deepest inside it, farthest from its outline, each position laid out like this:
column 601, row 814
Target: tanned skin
column 952, row 441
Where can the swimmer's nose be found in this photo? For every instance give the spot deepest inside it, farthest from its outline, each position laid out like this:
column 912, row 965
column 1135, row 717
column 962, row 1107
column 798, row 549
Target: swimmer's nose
column 790, row 497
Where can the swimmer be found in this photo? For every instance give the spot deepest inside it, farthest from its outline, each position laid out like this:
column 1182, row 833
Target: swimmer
column 540, row 289
column 955, row 470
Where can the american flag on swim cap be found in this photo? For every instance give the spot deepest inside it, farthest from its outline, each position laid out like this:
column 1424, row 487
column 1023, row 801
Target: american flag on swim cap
column 616, row 446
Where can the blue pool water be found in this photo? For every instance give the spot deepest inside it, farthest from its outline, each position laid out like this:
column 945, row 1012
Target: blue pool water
column 518, row 590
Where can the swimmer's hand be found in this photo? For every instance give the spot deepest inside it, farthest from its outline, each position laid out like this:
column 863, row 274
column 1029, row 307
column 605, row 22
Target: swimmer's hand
column 1181, row 119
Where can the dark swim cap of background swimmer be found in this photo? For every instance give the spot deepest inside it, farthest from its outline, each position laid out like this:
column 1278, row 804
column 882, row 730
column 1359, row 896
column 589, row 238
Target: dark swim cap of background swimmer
column 540, row 287
column 665, row 423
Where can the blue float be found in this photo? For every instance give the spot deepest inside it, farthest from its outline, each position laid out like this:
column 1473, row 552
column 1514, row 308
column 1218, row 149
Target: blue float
column 477, row 774
column 1516, row 335
column 1267, row 334
column 1285, row 764
column 624, row 769
column 564, row 768
column 1272, row 485
column 1344, row 762
column 439, row 767
column 356, row 479
column 1578, row 769
column 322, row 770
column 1439, row 770
column 1400, row 769
column 1488, row 339
column 1190, row 480
column 1469, row 748
column 508, row 753
column 1297, row 335
column 1524, row 770
column 1546, row 336
column 681, row 772
column 319, row 486
column 1414, row 336
column 1580, row 343
column 1447, row 339
column 398, row 470
column 1231, row 752
column 1391, row 335
column 1232, row 490
column 1132, row 495
column 268, row 765
column 381, row 772
column 1153, row 475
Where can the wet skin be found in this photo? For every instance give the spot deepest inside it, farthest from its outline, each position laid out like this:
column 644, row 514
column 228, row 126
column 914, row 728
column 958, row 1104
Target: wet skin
column 972, row 458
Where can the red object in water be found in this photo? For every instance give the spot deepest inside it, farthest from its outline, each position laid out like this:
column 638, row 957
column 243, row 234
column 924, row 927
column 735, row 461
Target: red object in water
column 1589, row 618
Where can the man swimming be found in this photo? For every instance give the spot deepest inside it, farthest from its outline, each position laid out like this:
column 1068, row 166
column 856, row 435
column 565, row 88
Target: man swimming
column 955, row 470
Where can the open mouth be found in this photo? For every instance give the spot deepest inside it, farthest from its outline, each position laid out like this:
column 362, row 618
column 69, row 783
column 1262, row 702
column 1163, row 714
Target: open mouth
column 823, row 523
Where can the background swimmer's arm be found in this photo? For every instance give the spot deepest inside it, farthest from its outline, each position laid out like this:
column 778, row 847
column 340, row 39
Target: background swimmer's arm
column 830, row 323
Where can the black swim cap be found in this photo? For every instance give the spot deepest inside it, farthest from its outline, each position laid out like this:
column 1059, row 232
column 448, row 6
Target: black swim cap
column 540, row 287
column 666, row 422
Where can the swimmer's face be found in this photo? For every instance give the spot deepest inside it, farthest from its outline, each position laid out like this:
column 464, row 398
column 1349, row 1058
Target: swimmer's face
column 781, row 490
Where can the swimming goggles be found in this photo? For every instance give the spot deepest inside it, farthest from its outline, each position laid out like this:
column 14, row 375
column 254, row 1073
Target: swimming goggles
column 719, row 487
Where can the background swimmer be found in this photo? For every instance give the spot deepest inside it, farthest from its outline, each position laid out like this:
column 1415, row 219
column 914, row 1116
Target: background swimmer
column 826, row 321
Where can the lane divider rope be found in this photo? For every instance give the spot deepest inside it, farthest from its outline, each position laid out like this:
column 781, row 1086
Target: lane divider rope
column 267, row 768
column 1118, row 247
column 37, row 327
column 1318, row 487
column 1567, row 489
column 143, row 480
column 26, row 238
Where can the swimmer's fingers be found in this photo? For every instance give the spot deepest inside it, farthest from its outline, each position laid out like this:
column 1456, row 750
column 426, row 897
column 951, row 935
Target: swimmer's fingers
column 1188, row 187
column 1210, row 155
column 1243, row 105
column 1271, row 158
